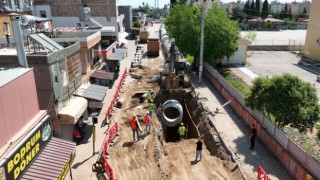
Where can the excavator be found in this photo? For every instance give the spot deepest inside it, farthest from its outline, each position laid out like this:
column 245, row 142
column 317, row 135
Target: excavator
column 175, row 70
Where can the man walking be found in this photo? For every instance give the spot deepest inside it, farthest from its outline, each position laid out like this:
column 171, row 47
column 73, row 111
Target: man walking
column 147, row 123
column 253, row 136
column 134, row 127
column 199, row 149
column 149, row 95
column 150, row 108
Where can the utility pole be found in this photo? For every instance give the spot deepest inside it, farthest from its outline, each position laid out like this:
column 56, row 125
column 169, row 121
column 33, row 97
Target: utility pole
column 201, row 42
column 203, row 8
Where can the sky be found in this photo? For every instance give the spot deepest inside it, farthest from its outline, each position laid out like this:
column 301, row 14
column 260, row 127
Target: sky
column 137, row 3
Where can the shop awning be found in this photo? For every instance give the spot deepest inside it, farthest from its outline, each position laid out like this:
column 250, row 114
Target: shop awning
column 92, row 91
column 54, row 161
column 101, row 74
column 74, row 109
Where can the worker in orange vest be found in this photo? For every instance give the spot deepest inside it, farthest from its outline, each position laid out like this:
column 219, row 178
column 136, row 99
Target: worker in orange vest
column 134, row 127
column 147, row 122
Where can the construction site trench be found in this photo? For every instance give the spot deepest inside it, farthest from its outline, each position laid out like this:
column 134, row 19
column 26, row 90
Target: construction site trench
column 160, row 154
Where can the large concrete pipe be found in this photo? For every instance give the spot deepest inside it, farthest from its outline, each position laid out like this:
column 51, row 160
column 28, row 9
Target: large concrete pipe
column 171, row 113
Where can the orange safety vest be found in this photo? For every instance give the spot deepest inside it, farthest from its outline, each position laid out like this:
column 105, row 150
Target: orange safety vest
column 146, row 119
column 133, row 124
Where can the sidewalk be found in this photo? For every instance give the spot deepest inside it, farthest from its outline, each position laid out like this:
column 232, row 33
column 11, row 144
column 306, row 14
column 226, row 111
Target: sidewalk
column 235, row 134
column 82, row 165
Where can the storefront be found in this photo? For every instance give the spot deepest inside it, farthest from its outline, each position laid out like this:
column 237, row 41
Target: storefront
column 71, row 115
column 39, row 156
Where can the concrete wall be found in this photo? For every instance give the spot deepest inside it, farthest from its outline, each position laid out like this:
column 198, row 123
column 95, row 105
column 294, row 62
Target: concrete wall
column 18, row 105
column 312, row 44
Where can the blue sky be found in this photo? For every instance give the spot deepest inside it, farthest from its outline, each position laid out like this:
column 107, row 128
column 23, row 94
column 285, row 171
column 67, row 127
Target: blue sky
column 136, row 3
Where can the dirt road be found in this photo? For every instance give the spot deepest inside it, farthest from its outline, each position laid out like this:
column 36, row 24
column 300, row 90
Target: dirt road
column 152, row 157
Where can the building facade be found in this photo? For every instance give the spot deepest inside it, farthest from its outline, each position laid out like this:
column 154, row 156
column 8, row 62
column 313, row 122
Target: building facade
column 26, row 132
column 70, row 13
column 312, row 43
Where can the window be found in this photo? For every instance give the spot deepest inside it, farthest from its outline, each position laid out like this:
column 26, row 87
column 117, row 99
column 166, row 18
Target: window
column 43, row 14
column 6, row 28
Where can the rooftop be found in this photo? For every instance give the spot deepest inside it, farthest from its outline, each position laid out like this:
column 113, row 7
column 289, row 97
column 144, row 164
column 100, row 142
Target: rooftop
column 8, row 75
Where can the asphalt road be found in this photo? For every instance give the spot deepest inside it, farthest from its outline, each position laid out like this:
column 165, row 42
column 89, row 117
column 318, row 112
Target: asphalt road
column 271, row 63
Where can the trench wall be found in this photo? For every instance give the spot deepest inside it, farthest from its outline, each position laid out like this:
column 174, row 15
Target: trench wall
column 291, row 155
column 202, row 119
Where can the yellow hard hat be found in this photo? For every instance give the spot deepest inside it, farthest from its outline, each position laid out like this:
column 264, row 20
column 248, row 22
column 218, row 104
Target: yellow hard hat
column 181, row 124
column 151, row 100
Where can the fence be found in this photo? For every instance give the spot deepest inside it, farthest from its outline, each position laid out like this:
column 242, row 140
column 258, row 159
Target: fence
column 293, row 157
column 112, row 131
column 111, row 134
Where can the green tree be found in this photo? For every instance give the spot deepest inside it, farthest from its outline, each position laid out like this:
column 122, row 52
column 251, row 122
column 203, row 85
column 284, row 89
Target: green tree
column 136, row 24
column 221, row 34
column 252, row 12
column 284, row 11
column 246, row 8
column 287, row 99
column 238, row 14
column 257, row 8
column 265, row 9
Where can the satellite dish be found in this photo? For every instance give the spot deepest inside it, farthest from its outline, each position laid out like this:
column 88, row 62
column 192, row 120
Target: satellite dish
column 86, row 10
column 26, row 20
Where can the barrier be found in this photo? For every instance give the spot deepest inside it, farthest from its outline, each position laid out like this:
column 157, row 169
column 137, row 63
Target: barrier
column 111, row 134
column 262, row 174
column 113, row 101
column 112, row 131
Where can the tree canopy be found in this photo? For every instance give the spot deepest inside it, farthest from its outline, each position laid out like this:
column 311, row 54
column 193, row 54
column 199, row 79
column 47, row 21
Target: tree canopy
column 265, row 9
column 220, row 36
column 287, row 99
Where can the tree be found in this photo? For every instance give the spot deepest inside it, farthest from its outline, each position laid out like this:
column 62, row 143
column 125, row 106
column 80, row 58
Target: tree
column 238, row 14
column 257, row 8
column 246, row 8
column 252, row 12
column 287, row 99
column 284, row 11
column 265, row 9
column 221, row 34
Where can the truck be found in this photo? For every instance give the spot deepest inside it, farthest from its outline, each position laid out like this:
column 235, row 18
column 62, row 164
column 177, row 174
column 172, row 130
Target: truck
column 153, row 47
column 143, row 36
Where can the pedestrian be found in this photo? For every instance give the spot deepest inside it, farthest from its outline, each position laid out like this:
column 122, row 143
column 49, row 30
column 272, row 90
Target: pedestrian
column 199, row 149
column 149, row 95
column 253, row 136
column 147, row 122
column 182, row 131
column 134, row 127
column 150, row 108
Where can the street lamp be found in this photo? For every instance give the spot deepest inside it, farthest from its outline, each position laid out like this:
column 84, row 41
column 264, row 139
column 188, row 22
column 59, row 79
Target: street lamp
column 203, row 3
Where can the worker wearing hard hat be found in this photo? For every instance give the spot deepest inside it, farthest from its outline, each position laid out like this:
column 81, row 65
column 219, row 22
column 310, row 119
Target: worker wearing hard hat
column 147, row 123
column 150, row 108
column 182, row 131
column 134, row 127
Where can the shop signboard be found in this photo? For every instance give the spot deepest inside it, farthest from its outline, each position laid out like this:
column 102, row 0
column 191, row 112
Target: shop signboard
column 16, row 163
